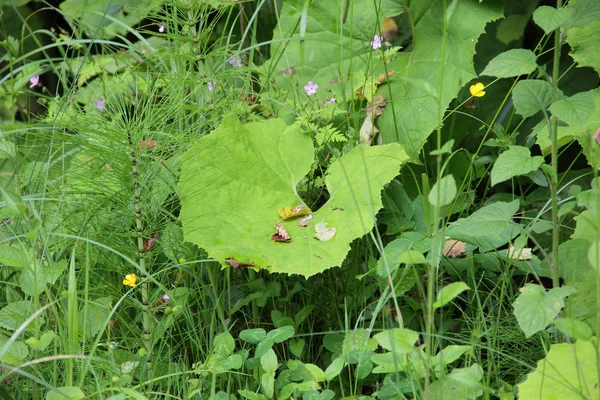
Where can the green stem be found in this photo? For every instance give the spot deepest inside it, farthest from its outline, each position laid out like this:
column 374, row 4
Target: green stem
column 554, row 141
column 146, row 320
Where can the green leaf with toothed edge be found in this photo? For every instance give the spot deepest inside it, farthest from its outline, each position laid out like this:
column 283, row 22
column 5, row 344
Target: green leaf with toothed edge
column 253, row 171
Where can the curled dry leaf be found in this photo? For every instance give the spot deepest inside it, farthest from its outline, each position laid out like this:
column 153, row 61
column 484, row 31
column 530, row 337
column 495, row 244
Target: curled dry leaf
column 323, row 232
column 304, row 221
column 293, row 212
column 454, row 248
column 519, row 254
column 374, row 109
column 149, row 243
column 384, row 77
column 281, row 234
column 235, row 263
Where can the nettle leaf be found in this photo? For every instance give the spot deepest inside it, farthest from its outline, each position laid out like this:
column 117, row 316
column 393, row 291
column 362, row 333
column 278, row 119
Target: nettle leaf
column 568, row 372
column 415, row 111
column 531, row 96
column 585, row 35
column 253, row 170
column 549, row 18
column 574, row 110
column 535, row 308
column 489, row 227
column 511, row 63
column 513, row 162
column 582, row 132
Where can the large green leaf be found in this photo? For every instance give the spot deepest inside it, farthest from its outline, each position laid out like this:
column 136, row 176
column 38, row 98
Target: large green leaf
column 312, row 43
column 511, row 63
column 535, row 308
column 513, row 162
column 568, row 372
column 437, row 62
column 489, row 227
column 337, row 56
column 97, row 18
column 235, row 180
column 585, row 35
column 583, row 133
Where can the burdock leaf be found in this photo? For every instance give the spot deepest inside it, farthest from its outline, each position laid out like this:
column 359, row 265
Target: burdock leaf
column 236, row 179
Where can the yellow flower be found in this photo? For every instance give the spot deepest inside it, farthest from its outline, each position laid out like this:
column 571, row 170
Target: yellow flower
column 130, row 280
column 477, row 90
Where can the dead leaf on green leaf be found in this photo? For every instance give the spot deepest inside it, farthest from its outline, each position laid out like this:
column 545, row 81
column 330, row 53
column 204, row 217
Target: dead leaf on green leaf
column 519, row 254
column 281, row 234
column 304, row 221
column 235, row 263
column 323, row 232
column 454, row 248
column 293, row 212
column 374, row 109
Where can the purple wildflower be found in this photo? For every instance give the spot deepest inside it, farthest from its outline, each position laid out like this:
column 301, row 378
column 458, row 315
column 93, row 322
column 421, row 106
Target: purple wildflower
column 35, row 80
column 211, row 85
column 236, row 62
column 99, row 104
column 376, row 43
column 161, row 28
column 311, row 88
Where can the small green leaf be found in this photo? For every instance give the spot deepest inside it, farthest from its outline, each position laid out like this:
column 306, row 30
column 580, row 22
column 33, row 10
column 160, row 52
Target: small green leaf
column 535, row 308
column 281, row 334
column 303, row 314
column 265, row 345
column 7, row 149
column 411, row 257
column 489, row 227
column 71, row 392
column 445, row 149
column 461, row 383
column 549, row 18
column 43, row 342
column 268, row 361
column 316, row 372
column 13, row 256
column 267, row 381
column 297, row 347
column 511, row 63
column 443, row 191
column 334, row 369
column 223, row 345
column 531, row 96
column 449, row 292
column 13, row 205
column 253, row 335
column 513, row 162
column 574, row 328
column 14, row 314
column 399, row 340
column 574, row 110
column 15, row 354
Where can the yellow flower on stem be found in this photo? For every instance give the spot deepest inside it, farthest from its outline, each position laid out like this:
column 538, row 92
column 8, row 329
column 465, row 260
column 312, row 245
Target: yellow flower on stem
column 477, row 90
column 130, row 280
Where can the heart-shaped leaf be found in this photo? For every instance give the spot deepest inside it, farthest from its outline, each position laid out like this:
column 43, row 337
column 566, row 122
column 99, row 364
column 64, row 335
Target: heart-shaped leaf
column 235, row 180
